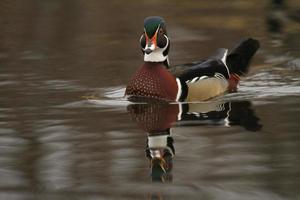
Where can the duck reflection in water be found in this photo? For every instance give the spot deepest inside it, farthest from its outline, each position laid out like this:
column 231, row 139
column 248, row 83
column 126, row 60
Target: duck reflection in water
column 157, row 118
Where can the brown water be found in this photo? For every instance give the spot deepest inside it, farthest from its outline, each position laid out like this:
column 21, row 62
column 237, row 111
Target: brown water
column 56, row 144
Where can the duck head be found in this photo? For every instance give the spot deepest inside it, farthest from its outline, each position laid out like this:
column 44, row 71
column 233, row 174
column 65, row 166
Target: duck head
column 154, row 41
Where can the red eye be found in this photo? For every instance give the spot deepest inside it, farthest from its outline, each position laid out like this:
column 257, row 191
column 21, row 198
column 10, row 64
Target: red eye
column 161, row 31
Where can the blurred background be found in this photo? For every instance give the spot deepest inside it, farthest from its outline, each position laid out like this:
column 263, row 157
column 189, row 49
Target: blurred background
column 54, row 144
column 79, row 39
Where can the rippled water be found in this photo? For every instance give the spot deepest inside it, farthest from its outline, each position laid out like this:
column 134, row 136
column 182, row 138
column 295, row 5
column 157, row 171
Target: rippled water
column 66, row 132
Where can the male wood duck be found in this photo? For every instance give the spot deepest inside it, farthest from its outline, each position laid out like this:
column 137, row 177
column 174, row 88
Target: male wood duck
column 190, row 82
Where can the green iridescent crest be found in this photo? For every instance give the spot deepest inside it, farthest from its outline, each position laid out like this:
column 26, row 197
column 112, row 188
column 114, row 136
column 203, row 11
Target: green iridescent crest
column 152, row 23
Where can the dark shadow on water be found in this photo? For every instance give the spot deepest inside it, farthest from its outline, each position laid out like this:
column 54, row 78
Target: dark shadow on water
column 157, row 118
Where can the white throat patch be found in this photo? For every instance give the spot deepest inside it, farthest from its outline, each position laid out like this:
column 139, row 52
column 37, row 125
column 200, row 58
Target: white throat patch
column 157, row 55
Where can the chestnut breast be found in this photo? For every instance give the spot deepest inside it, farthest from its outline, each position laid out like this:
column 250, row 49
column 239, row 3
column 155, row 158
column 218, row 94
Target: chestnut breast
column 153, row 80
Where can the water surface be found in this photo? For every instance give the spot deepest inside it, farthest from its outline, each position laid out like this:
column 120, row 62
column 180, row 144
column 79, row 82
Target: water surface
column 66, row 132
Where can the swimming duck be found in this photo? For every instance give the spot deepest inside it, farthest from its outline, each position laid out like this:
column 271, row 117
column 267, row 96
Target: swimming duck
column 190, row 82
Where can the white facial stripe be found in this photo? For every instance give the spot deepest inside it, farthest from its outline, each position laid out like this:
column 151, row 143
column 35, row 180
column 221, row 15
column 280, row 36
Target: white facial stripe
column 141, row 40
column 141, row 37
column 157, row 29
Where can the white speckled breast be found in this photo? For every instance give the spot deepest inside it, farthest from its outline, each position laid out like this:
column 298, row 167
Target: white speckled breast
column 153, row 80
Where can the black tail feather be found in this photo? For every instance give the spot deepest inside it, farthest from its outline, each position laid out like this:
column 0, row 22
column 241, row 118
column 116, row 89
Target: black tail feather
column 239, row 58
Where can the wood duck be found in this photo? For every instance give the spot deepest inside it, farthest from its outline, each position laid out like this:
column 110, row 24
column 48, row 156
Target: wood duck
column 190, row 82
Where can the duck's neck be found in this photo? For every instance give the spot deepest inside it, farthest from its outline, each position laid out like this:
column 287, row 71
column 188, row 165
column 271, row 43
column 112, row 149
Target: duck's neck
column 164, row 63
column 157, row 56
